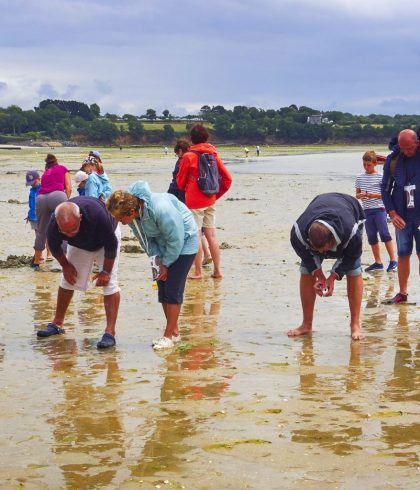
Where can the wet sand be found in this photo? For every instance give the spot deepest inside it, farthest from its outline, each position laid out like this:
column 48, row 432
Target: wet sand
column 238, row 404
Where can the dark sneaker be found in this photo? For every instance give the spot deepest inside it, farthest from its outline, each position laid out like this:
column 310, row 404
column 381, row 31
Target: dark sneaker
column 392, row 266
column 398, row 298
column 374, row 267
column 106, row 341
column 52, row 329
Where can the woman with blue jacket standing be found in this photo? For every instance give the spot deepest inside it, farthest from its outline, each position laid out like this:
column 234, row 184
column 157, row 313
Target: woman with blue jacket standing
column 168, row 233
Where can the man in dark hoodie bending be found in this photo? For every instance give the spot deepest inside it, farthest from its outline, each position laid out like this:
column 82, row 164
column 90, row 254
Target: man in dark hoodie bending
column 330, row 227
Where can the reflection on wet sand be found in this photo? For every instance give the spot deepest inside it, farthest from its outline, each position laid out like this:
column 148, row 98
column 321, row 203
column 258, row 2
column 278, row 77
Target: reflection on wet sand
column 87, row 426
column 403, row 386
column 332, row 387
column 191, row 375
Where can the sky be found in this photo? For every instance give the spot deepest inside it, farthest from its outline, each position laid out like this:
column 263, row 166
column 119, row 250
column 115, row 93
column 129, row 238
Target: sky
column 357, row 56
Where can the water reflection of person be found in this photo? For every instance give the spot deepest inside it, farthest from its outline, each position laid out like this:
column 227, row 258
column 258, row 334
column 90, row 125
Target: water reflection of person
column 86, row 422
column 403, row 386
column 87, row 427
column 319, row 388
column 190, row 375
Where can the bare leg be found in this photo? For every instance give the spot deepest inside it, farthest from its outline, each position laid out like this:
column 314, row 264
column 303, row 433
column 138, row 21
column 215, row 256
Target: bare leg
column 172, row 315
column 64, row 297
column 210, row 234
column 49, row 254
column 205, row 245
column 354, row 293
column 307, row 298
column 376, row 253
column 403, row 273
column 389, row 245
column 111, row 304
column 198, row 260
column 37, row 257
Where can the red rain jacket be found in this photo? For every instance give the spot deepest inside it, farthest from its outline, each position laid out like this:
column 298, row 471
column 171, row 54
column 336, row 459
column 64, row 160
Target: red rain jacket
column 188, row 174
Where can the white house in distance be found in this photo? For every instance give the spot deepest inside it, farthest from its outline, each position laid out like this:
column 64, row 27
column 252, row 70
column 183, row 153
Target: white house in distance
column 318, row 119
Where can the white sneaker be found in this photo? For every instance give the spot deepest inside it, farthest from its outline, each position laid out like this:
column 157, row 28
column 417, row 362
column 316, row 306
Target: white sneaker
column 176, row 338
column 162, row 343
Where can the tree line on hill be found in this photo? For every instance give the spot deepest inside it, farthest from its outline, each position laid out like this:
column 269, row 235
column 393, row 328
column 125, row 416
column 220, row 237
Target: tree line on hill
column 76, row 122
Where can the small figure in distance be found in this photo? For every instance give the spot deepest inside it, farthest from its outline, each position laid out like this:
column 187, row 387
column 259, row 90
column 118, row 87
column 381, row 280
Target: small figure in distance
column 257, row 150
column 246, row 152
column 368, row 190
column 320, row 233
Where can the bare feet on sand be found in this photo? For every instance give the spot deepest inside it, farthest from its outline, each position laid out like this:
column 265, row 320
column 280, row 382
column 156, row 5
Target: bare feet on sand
column 302, row 330
column 194, row 276
column 357, row 334
column 216, row 276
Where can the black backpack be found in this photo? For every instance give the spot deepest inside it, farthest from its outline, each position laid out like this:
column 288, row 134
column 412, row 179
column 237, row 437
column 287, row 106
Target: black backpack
column 208, row 174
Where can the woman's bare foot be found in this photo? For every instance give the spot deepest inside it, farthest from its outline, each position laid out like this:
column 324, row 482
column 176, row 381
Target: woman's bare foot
column 357, row 334
column 194, row 276
column 302, row 330
column 216, row 276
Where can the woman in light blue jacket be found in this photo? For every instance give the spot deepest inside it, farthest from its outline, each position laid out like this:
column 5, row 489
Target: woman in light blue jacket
column 167, row 231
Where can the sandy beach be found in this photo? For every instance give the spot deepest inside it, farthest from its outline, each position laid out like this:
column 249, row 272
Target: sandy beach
column 237, row 404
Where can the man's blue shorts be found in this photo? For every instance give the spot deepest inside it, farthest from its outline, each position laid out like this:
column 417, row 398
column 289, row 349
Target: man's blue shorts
column 405, row 239
column 356, row 269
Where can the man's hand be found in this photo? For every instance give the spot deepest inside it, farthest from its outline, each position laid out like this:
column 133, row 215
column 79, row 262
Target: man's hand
column 69, row 273
column 102, row 278
column 330, row 284
column 325, row 287
column 320, row 282
column 397, row 221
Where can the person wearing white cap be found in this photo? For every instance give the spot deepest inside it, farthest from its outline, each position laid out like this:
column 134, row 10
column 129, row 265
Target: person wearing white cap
column 81, row 178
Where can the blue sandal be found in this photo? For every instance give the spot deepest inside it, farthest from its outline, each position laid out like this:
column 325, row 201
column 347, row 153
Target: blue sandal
column 52, row 329
column 107, row 341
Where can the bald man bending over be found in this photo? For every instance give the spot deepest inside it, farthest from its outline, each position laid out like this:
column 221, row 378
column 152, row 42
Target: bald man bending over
column 401, row 197
column 93, row 235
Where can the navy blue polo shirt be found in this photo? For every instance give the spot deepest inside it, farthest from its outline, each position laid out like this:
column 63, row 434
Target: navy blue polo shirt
column 97, row 229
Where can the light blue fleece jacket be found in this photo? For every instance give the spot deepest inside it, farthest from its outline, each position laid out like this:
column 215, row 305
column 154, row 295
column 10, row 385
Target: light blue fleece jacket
column 167, row 227
column 97, row 185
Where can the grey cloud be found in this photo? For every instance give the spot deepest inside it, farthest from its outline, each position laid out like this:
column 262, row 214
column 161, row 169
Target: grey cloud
column 3, row 87
column 103, row 87
column 70, row 91
column 46, row 90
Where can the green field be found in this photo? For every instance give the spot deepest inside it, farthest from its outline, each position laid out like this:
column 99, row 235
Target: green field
column 179, row 126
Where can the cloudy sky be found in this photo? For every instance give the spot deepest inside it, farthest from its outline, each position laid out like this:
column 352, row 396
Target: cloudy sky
column 358, row 56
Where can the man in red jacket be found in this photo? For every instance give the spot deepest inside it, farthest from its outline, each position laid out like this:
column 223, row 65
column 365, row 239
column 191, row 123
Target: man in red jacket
column 202, row 206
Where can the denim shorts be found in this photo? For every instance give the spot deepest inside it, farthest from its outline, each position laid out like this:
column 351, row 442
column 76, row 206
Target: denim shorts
column 356, row 269
column 405, row 239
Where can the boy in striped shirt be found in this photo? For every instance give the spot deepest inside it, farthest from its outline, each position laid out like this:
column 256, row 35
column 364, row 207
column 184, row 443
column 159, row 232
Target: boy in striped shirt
column 368, row 190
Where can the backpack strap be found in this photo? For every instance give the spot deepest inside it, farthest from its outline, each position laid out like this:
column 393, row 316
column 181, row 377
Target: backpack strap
column 393, row 164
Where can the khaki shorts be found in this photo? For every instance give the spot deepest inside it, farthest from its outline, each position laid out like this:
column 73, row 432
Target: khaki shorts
column 205, row 217
column 83, row 261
